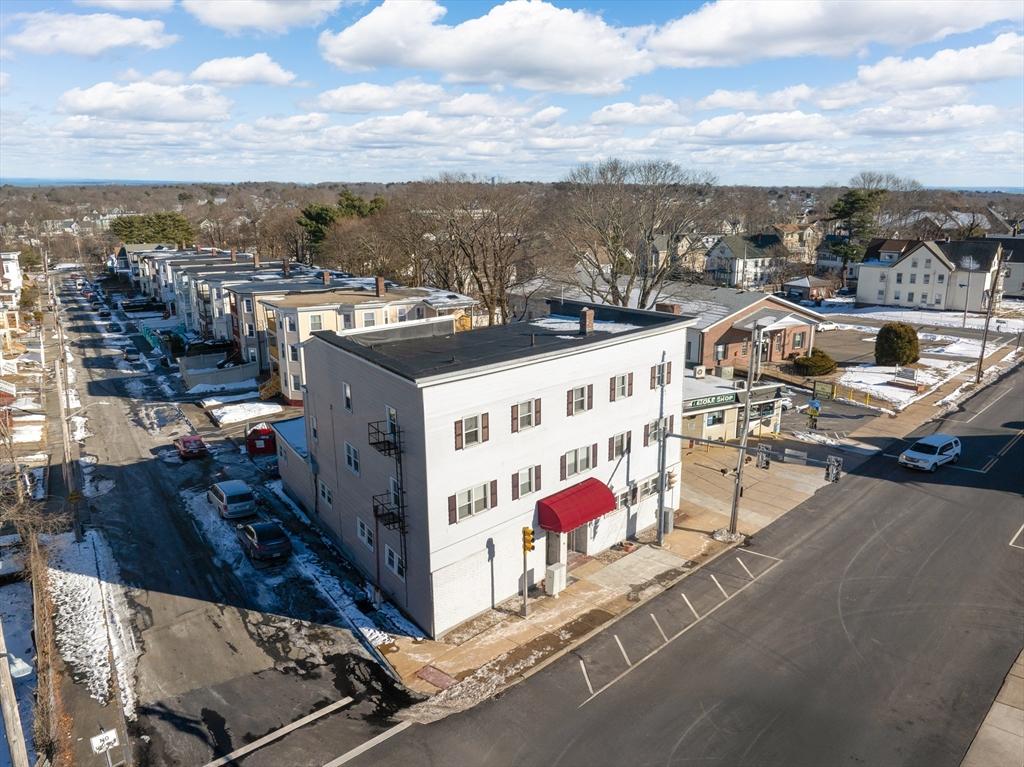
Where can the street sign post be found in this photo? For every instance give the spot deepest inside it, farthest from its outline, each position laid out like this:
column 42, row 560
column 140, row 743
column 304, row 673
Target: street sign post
column 104, row 743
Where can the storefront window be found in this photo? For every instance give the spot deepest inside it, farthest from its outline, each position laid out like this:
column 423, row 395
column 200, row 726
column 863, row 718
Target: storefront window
column 716, row 418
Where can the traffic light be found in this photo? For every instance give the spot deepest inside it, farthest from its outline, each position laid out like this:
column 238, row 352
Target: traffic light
column 670, row 480
column 528, row 539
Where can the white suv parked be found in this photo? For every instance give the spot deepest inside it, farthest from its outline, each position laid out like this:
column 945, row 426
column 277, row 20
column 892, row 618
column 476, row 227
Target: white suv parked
column 929, row 453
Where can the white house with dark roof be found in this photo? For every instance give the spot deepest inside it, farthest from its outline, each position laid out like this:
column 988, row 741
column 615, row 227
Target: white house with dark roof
column 431, row 450
column 927, row 274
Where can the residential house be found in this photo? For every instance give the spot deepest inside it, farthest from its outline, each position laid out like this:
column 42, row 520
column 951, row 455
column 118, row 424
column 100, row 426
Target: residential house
column 250, row 312
column 293, row 318
column 945, row 275
column 1013, row 264
column 430, row 451
column 800, row 240
column 746, row 261
column 829, row 262
column 11, row 278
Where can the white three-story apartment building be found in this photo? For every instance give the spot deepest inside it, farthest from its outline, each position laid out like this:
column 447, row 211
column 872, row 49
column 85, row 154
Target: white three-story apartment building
column 427, row 451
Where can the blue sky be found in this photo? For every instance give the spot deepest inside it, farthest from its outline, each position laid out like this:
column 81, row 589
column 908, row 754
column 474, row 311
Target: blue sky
column 762, row 92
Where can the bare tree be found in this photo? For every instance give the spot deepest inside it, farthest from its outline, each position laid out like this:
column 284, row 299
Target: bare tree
column 609, row 215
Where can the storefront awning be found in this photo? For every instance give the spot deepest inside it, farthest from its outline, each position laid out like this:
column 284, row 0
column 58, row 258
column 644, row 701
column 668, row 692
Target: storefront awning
column 568, row 509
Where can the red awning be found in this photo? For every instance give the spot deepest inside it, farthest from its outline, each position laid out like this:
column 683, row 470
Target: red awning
column 568, row 509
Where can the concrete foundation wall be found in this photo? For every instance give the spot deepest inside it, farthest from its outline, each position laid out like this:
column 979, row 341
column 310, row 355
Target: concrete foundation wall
column 202, row 369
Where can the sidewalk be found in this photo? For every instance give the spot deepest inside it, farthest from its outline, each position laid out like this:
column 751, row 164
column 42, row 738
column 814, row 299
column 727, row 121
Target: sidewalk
column 1000, row 740
column 481, row 657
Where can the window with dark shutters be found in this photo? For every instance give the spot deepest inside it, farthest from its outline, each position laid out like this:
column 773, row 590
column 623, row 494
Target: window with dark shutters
column 611, row 389
column 458, row 434
column 668, row 373
column 485, row 427
column 536, row 412
column 593, row 455
column 629, row 386
column 647, row 434
column 515, row 486
column 611, row 448
column 590, row 396
column 654, row 376
column 536, row 478
column 494, row 494
column 562, row 467
column 568, row 402
column 453, row 514
column 515, row 418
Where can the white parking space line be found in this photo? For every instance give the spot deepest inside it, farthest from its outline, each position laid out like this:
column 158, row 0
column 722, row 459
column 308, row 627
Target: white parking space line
column 660, row 629
column 758, row 554
column 745, row 568
column 655, row 651
column 687, row 600
column 373, row 742
column 990, row 404
column 277, row 734
column 1016, row 535
column 586, row 676
column 622, row 650
column 724, row 592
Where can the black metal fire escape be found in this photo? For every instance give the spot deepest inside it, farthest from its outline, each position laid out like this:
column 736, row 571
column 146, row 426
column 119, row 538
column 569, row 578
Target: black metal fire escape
column 386, row 438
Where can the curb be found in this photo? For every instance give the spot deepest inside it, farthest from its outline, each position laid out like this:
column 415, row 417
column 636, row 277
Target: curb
column 537, row 668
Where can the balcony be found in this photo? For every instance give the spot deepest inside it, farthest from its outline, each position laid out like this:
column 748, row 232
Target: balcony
column 384, row 437
column 390, row 514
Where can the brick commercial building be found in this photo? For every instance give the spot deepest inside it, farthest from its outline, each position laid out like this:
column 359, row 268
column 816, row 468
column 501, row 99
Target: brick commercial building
column 426, row 451
column 720, row 335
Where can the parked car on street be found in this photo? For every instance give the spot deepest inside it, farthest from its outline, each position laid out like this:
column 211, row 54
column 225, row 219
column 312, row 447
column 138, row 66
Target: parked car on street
column 929, row 453
column 826, row 326
column 233, row 499
column 264, row 540
column 191, row 446
column 131, row 355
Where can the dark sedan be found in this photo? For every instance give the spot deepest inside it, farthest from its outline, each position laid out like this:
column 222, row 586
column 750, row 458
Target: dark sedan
column 264, row 540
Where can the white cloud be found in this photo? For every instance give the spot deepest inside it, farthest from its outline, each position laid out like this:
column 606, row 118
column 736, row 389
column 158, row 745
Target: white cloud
column 370, row 97
column 752, row 101
column 150, row 6
column 547, row 115
column 294, row 123
column 897, row 121
column 5, row 80
column 147, row 102
column 87, row 34
column 771, row 128
column 1002, row 58
column 652, row 110
column 160, row 77
column 738, row 31
column 273, row 16
column 532, row 45
column 240, row 70
column 480, row 104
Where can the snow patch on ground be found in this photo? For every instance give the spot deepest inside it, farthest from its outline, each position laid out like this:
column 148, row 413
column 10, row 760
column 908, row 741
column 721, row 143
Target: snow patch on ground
column 249, row 383
column 211, row 402
column 35, row 483
column 90, row 622
column 79, row 431
column 877, row 380
column 16, row 615
column 913, row 316
column 249, row 411
column 93, row 484
column 165, row 386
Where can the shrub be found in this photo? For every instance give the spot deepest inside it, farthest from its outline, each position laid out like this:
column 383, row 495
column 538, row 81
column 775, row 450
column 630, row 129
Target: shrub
column 897, row 345
column 816, row 364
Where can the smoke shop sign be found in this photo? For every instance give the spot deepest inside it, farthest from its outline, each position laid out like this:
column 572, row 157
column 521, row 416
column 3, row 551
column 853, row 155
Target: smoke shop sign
column 714, row 399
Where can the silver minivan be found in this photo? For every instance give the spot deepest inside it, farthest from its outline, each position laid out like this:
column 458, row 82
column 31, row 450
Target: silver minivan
column 232, row 499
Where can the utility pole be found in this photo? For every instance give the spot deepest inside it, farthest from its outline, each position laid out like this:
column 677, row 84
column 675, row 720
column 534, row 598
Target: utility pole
column 662, row 452
column 992, row 296
column 741, row 459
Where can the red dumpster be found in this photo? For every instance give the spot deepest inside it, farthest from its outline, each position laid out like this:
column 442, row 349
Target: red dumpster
column 260, row 441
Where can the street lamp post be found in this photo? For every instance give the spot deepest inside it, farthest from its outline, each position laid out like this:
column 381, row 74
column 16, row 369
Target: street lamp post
column 741, row 460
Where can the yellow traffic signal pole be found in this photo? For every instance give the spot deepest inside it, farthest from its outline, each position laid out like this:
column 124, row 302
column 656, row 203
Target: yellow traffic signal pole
column 527, row 547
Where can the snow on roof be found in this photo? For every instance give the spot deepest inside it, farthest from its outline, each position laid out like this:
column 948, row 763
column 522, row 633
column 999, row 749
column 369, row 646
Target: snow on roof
column 560, row 323
column 293, row 431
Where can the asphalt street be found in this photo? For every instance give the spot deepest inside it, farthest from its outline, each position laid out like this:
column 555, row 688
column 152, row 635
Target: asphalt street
column 228, row 654
column 871, row 625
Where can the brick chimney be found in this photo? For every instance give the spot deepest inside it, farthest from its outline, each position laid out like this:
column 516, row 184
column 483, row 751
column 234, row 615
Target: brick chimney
column 234, row 256
column 326, row 277
column 378, row 284
column 586, row 321
column 668, row 308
